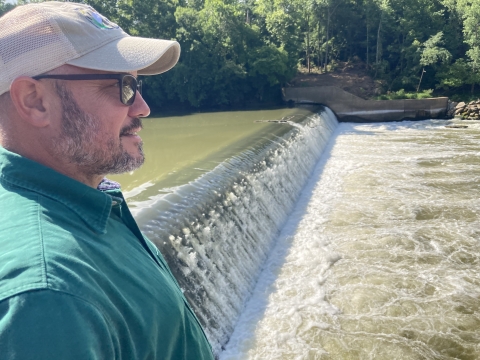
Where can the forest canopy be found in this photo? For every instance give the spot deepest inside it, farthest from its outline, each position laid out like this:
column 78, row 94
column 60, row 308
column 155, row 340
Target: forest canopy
column 235, row 52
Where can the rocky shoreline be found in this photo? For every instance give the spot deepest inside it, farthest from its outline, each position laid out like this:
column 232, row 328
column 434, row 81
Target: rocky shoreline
column 467, row 111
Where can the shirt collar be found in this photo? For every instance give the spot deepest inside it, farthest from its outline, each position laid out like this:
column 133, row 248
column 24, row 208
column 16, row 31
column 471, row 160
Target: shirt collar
column 92, row 205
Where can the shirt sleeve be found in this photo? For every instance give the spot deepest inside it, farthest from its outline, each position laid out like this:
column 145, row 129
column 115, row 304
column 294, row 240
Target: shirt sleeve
column 51, row 325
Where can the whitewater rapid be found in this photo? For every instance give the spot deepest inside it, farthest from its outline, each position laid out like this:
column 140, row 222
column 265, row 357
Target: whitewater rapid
column 379, row 259
column 217, row 231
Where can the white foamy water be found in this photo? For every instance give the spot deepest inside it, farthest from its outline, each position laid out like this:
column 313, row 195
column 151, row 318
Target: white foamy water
column 217, row 231
column 380, row 259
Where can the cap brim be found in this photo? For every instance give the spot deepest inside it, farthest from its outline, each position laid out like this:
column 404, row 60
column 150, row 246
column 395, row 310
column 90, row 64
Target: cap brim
column 146, row 56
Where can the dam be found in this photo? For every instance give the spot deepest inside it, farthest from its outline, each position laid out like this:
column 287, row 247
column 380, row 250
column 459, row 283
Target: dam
column 314, row 239
column 350, row 108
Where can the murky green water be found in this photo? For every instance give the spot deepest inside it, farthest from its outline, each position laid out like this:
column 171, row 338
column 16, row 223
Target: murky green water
column 179, row 149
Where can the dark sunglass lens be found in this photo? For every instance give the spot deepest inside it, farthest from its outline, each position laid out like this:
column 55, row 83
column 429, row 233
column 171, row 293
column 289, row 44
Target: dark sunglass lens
column 129, row 88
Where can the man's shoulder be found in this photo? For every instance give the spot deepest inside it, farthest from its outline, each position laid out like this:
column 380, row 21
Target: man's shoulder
column 27, row 214
column 37, row 240
column 21, row 268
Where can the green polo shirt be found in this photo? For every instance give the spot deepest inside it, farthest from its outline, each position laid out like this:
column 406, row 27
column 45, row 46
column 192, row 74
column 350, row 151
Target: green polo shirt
column 78, row 280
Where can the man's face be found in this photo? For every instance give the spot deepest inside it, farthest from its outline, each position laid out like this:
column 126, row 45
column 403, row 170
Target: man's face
column 98, row 133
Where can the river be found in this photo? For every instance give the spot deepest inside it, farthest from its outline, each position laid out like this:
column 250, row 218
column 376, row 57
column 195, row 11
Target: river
column 380, row 258
column 180, row 149
column 309, row 239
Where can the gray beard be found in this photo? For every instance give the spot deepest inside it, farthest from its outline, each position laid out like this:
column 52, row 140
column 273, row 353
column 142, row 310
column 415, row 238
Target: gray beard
column 77, row 141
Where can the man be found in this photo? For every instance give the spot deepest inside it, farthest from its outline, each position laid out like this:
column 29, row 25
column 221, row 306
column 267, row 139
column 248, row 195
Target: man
column 78, row 280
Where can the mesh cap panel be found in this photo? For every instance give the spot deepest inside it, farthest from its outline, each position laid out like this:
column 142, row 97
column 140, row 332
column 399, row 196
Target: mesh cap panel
column 40, row 37
column 30, row 44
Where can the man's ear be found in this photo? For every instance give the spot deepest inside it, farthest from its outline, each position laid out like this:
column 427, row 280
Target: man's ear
column 31, row 100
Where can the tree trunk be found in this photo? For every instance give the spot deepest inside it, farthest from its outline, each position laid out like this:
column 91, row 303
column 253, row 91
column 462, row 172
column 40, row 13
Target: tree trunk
column 329, row 14
column 367, row 45
column 308, row 44
column 326, row 46
column 421, row 77
column 319, row 55
column 402, row 54
column 377, row 56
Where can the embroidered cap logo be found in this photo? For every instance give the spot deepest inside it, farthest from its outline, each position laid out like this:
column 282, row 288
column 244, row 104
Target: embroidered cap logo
column 97, row 19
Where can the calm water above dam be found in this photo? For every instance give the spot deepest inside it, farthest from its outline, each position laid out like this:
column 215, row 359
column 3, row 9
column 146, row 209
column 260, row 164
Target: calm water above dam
column 180, row 149
column 317, row 240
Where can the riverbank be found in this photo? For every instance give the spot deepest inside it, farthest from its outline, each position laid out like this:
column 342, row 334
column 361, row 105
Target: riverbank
column 348, row 76
column 354, row 78
column 468, row 111
column 351, row 77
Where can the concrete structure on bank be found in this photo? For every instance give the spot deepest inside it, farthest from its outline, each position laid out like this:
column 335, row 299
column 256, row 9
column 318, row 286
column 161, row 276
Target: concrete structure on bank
column 348, row 107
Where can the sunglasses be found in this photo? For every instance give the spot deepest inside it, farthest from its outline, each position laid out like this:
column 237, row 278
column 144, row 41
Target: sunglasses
column 128, row 84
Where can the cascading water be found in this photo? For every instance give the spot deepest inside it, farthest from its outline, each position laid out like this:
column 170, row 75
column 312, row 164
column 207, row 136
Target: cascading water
column 217, row 231
column 379, row 259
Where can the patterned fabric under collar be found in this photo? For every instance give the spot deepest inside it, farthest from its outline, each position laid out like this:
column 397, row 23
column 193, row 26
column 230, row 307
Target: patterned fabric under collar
column 107, row 184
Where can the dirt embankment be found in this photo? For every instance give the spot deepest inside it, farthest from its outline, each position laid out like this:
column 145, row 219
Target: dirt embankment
column 351, row 77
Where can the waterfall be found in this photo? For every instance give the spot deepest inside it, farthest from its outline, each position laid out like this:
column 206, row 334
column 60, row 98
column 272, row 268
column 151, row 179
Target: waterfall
column 217, row 231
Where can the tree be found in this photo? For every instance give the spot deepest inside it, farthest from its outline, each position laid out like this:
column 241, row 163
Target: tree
column 471, row 29
column 4, row 7
column 331, row 6
column 432, row 53
column 457, row 75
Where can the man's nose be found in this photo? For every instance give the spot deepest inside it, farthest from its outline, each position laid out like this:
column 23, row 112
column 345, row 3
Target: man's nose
column 139, row 108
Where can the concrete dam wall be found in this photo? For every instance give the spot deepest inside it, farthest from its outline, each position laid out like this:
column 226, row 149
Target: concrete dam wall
column 351, row 108
column 217, row 231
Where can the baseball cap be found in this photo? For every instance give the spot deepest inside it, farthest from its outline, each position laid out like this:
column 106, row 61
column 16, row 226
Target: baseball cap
column 39, row 37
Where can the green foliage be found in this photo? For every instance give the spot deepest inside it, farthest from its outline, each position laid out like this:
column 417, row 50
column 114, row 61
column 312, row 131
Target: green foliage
column 228, row 55
column 432, row 53
column 4, row 7
column 465, row 97
column 235, row 52
column 471, row 28
column 401, row 94
column 268, row 67
column 457, row 75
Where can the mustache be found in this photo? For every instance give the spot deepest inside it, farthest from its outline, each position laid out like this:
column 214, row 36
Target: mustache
column 136, row 123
